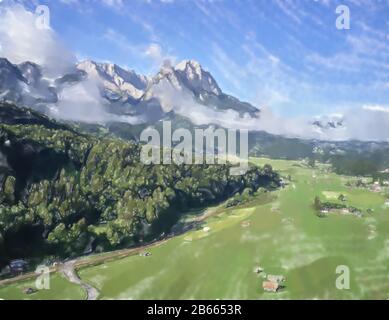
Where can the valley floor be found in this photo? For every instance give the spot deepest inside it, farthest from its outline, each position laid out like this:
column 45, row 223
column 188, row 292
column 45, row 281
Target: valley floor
column 278, row 232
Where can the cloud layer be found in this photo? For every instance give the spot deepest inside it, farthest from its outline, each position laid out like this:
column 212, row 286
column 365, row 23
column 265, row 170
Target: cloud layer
column 23, row 39
column 368, row 122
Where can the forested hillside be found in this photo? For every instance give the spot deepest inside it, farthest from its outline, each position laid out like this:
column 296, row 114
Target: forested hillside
column 64, row 192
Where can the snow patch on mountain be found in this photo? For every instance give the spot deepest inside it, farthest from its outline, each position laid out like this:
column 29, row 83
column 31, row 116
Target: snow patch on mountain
column 118, row 83
column 333, row 121
column 188, row 79
column 196, row 79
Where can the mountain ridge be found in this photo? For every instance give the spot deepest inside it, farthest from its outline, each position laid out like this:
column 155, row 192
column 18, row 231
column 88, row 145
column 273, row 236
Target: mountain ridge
column 123, row 91
column 185, row 90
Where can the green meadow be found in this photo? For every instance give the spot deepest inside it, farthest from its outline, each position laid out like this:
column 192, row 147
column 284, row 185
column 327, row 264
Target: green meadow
column 277, row 231
column 60, row 289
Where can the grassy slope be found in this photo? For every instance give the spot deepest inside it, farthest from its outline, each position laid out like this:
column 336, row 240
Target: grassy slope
column 284, row 237
column 60, row 289
column 291, row 241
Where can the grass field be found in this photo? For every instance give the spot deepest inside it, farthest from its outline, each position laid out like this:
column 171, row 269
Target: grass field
column 277, row 231
column 60, row 289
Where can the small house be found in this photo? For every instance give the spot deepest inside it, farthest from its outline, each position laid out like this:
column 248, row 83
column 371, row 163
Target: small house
column 376, row 188
column 18, row 266
column 270, row 286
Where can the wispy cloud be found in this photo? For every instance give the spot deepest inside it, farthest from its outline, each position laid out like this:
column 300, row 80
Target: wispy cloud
column 22, row 40
column 115, row 4
column 152, row 51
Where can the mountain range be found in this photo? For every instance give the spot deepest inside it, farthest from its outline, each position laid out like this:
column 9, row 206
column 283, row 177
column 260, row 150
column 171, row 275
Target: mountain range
column 122, row 91
column 185, row 93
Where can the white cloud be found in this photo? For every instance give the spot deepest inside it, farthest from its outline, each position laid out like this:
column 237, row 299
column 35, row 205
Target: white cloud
column 21, row 41
column 152, row 51
column 228, row 68
column 155, row 52
column 83, row 102
column 120, row 40
column 262, row 76
column 109, row 3
column 70, row 2
column 377, row 108
column 113, row 3
column 365, row 52
column 80, row 102
column 287, row 7
column 366, row 123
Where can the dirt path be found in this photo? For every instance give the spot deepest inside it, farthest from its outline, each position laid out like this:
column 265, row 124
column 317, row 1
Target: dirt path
column 70, row 273
column 68, row 269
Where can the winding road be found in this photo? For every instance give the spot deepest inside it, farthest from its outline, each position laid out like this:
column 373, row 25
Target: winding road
column 68, row 270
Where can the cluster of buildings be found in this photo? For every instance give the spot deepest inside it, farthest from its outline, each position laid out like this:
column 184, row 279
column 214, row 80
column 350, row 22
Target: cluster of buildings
column 344, row 211
column 272, row 283
column 379, row 186
column 376, row 187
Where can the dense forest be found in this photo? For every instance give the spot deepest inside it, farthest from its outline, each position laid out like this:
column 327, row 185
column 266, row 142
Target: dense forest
column 64, row 192
column 361, row 164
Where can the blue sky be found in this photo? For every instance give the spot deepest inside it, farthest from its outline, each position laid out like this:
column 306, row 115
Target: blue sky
column 285, row 54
